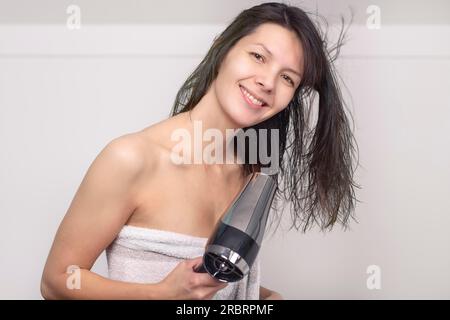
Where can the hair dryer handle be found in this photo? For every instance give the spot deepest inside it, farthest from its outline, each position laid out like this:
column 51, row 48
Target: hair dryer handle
column 200, row 268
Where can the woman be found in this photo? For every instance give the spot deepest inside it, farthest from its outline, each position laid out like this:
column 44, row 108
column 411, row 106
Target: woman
column 153, row 216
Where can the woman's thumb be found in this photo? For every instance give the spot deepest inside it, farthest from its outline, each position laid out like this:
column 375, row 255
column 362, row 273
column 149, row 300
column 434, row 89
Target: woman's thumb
column 195, row 261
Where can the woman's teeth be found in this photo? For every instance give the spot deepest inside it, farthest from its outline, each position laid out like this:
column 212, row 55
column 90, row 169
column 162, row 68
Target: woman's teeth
column 252, row 98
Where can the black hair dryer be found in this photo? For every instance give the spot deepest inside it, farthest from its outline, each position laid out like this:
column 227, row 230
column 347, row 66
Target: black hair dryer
column 236, row 240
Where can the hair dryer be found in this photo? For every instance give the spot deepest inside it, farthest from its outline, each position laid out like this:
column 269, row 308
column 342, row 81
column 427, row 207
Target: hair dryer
column 233, row 246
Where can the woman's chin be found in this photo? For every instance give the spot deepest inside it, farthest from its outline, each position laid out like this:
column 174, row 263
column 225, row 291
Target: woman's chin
column 242, row 118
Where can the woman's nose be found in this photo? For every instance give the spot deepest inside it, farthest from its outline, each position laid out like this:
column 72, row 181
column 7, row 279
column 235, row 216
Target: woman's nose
column 266, row 83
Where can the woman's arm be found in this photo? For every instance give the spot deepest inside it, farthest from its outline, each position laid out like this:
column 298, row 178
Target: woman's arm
column 101, row 206
column 94, row 286
column 266, row 294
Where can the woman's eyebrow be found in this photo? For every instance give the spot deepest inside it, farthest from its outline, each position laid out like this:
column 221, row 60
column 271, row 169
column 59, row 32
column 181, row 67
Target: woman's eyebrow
column 270, row 53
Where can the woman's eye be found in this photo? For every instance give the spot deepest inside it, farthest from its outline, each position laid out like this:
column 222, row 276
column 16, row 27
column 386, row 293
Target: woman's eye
column 257, row 56
column 289, row 80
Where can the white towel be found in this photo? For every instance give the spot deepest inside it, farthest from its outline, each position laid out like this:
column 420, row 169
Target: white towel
column 145, row 255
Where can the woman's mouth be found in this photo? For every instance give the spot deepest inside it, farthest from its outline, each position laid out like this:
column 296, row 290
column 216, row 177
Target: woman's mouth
column 251, row 100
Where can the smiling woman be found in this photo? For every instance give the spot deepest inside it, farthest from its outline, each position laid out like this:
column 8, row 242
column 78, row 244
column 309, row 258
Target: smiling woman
column 263, row 72
column 154, row 216
column 265, row 76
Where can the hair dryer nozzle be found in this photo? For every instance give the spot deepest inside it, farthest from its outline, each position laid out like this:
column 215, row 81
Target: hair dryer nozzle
column 235, row 243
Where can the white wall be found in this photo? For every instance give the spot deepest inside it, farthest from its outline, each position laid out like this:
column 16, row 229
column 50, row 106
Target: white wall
column 183, row 12
column 64, row 94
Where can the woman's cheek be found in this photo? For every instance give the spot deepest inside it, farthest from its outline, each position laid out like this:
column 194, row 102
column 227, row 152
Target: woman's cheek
column 287, row 95
column 242, row 68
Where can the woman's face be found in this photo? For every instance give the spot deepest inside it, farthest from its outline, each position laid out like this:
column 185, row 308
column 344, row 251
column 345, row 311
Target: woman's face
column 264, row 67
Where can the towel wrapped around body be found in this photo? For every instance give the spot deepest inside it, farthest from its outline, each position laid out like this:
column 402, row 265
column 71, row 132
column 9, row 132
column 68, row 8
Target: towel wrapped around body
column 145, row 255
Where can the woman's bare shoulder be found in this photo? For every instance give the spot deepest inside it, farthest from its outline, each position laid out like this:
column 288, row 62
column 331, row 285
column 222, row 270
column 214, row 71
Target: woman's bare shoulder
column 136, row 148
column 151, row 144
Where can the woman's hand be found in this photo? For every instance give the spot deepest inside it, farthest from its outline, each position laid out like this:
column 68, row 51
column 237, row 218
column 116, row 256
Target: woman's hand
column 183, row 283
